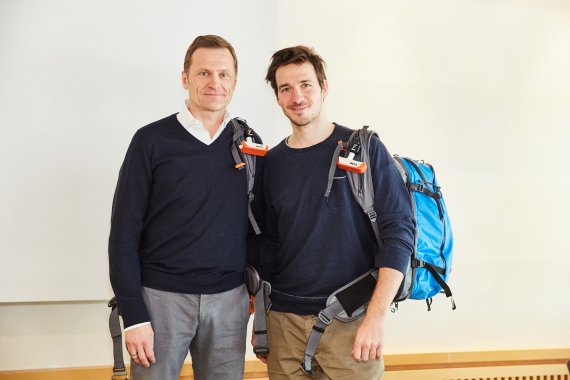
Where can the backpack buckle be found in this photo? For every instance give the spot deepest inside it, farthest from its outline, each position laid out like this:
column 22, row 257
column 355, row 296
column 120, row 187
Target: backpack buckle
column 372, row 215
column 307, row 371
column 325, row 319
column 261, row 350
column 420, row 263
column 120, row 373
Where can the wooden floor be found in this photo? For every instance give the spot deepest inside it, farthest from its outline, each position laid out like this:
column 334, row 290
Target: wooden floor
column 542, row 364
column 254, row 369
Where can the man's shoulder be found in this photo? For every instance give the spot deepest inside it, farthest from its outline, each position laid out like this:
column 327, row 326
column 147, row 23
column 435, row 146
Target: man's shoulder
column 341, row 132
column 377, row 149
column 157, row 127
column 346, row 132
column 275, row 151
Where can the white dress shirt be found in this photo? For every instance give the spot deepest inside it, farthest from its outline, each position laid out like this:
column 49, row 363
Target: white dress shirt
column 196, row 127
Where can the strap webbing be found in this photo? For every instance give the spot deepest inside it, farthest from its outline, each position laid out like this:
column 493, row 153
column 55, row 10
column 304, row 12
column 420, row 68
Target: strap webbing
column 325, row 318
column 373, row 222
column 417, row 263
column 332, row 168
column 252, row 220
column 436, row 196
column 119, row 369
column 261, row 305
column 441, row 282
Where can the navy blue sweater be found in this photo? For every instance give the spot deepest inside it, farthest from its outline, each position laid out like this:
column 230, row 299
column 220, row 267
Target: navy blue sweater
column 313, row 246
column 179, row 220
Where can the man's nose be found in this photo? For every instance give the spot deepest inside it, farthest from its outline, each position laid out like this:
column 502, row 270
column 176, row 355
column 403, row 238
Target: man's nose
column 297, row 95
column 214, row 81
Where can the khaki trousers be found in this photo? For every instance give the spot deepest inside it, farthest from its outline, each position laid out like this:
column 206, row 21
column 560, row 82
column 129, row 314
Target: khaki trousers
column 287, row 336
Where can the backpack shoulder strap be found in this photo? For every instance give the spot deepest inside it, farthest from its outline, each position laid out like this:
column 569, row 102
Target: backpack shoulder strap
column 244, row 161
column 360, row 184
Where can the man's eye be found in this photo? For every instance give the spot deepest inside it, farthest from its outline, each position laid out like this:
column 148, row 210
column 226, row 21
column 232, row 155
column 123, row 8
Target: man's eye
column 224, row 75
column 285, row 89
column 203, row 73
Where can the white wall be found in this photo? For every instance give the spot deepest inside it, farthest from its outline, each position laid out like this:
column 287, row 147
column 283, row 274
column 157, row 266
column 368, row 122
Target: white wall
column 478, row 88
column 77, row 78
column 481, row 90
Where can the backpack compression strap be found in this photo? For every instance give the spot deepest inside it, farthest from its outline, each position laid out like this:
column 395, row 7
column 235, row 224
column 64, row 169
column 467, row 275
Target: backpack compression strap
column 434, row 272
column 119, row 369
column 239, row 126
column 423, row 187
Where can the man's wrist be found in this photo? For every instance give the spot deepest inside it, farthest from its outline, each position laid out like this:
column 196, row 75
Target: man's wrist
column 137, row 325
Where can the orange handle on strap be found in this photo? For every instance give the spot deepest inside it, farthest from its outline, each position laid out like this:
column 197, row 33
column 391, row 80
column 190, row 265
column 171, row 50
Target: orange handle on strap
column 251, row 307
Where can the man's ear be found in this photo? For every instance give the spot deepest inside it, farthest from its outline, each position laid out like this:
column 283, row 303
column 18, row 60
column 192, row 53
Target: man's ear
column 325, row 89
column 185, row 80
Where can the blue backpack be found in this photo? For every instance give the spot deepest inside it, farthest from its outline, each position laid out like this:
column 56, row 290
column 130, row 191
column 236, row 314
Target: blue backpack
column 430, row 265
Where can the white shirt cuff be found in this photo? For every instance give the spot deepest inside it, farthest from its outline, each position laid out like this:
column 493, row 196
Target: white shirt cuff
column 137, row 325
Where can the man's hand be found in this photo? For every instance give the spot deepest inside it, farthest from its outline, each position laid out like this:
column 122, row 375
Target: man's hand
column 369, row 339
column 140, row 344
column 370, row 335
column 261, row 357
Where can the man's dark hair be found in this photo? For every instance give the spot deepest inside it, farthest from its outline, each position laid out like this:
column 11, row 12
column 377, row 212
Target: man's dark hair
column 297, row 55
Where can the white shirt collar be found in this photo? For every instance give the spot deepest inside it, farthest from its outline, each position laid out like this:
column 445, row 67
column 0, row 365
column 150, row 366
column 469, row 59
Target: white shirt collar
column 196, row 128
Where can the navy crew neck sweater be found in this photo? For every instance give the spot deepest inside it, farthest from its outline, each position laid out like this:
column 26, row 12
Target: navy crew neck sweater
column 313, row 246
column 179, row 221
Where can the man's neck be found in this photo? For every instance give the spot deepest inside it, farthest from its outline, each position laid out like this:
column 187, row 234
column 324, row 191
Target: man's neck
column 211, row 120
column 310, row 134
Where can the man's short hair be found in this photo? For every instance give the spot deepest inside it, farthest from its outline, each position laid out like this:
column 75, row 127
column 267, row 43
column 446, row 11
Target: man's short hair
column 209, row 41
column 297, row 55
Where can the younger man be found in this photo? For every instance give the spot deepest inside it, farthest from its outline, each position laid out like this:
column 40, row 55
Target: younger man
column 315, row 245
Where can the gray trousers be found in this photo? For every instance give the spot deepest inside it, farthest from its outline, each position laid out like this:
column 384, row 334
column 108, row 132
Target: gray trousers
column 212, row 326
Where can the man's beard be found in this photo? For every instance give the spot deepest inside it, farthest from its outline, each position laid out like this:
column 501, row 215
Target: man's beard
column 302, row 121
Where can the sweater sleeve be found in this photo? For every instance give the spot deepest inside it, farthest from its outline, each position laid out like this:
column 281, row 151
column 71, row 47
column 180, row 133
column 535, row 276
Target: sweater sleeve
column 127, row 217
column 393, row 206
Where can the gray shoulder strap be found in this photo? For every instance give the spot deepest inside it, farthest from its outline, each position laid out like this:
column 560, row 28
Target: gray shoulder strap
column 248, row 165
column 361, row 184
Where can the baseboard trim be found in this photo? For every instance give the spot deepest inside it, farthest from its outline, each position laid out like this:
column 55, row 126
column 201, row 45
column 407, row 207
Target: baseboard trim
column 403, row 362
column 254, row 369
